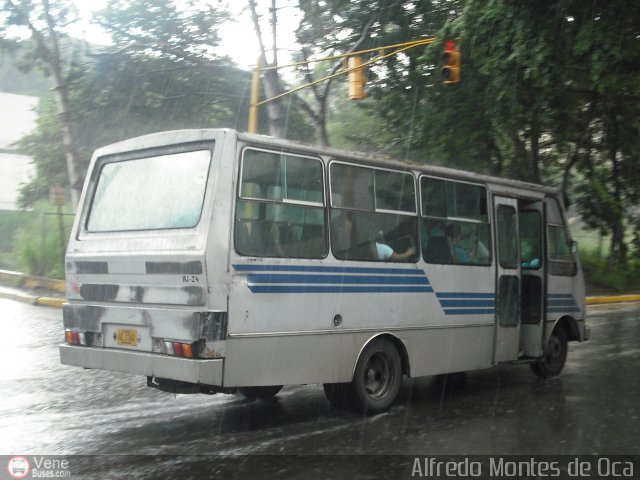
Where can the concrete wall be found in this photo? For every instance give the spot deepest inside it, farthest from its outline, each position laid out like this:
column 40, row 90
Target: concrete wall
column 17, row 118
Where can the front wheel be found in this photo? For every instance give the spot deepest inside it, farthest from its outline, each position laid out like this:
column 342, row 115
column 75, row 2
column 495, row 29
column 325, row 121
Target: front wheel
column 377, row 377
column 260, row 392
column 555, row 355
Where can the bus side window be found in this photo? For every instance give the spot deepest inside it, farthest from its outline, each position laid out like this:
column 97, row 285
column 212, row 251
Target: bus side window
column 455, row 222
column 373, row 214
column 280, row 195
column 435, row 243
column 530, row 239
column 561, row 261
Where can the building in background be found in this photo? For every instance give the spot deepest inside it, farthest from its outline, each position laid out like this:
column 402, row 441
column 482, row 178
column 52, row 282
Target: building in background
column 17, row 118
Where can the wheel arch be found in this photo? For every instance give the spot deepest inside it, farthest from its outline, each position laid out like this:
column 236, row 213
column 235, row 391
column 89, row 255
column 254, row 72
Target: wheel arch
column 569, row 325
column 397, row 342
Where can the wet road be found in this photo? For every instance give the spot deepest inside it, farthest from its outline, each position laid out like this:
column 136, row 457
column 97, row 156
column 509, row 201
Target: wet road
column 48, row 408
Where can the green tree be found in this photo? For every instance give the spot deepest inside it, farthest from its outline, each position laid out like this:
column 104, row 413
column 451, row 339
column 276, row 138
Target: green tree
column 119, row 96
column 45, row 22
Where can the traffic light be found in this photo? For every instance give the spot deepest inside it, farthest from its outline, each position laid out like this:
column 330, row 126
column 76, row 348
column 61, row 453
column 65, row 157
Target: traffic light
column 356, row 78
column 451, row 63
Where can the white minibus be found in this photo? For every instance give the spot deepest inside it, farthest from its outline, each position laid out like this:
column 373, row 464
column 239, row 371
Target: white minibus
column 216, row 261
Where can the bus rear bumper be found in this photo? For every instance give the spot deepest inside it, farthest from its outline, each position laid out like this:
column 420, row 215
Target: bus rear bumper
column 205, row 371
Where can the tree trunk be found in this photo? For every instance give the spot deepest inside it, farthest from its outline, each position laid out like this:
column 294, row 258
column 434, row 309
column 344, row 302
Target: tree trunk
column 618, row 253
column 66, row 132
column 271, row 79
column 46, row 38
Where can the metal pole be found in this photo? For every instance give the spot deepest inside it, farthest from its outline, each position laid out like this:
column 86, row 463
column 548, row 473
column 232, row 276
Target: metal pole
column 63, row 246
column 43, row 240
column 255, row 96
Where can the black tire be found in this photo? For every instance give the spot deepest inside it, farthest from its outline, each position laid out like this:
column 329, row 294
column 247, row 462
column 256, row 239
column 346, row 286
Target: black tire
column 377, row 378
column 554, row 357
column 260, row 392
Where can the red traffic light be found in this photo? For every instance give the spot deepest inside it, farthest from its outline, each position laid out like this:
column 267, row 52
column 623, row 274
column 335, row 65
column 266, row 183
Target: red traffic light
column 451, row 59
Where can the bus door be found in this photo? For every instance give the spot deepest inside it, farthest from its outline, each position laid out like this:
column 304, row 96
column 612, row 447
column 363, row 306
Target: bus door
column 508, row 279
column 530, row 223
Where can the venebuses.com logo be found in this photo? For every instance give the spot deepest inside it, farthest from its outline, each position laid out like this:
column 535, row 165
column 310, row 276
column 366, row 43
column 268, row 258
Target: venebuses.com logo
column 18, row 467
column 38, row 467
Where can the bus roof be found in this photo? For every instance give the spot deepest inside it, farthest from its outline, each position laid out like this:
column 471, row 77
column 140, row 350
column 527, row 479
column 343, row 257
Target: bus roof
column 386, row 161
column 177, row 136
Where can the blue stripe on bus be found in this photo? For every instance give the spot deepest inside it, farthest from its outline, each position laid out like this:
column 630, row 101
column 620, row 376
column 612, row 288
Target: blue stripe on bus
column 562, row 309
column 279, row 278
column 467, row 303
column 459, row 295
column 337, row 289
column 562, row 303
column 472, row 311
column 323, row 269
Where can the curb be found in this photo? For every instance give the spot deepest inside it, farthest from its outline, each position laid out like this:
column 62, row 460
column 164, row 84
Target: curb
column 49, row 302
column 18, row 296
column 31, row 281
column 599, row 300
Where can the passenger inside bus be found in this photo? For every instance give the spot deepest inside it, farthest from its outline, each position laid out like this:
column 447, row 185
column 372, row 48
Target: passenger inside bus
column 456, row 250
column 351, row 239
column 385, row 252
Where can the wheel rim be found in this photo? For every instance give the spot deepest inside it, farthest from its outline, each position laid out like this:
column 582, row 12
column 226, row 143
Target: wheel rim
column 554, row 352
column 378, row 375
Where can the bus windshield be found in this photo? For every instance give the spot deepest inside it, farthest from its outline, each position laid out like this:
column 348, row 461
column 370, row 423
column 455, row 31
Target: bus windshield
column 152, row 193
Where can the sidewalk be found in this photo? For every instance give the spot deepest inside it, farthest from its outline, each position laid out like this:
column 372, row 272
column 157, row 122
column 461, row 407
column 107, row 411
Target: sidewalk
column 51, row 293
column 32, row 298
column 31, row 289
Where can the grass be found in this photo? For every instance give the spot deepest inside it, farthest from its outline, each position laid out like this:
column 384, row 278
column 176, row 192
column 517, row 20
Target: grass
column 30, row 241
column 600, row 279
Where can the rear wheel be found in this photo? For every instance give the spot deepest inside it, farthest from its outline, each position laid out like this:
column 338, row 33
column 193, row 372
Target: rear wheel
column 260, row 392
column 377, row 377
column 555, row 355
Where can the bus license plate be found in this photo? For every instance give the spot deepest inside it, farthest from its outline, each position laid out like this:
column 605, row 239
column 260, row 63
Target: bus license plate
column 127, row 336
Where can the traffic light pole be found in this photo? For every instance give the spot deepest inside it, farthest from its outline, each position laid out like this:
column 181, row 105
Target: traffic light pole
column 255, row 96
column 254, row 102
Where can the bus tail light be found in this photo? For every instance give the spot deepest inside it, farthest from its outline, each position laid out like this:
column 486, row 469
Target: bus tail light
column 168, row 348
column 177, row 349
column 83, row 338
column 72, row 338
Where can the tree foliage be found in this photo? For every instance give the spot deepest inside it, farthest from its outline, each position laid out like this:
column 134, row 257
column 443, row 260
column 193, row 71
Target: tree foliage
column 550, row 89
column 45, row 22
column 120, row 96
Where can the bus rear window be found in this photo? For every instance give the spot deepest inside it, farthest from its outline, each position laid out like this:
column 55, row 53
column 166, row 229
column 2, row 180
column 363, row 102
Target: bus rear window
column 152, row 193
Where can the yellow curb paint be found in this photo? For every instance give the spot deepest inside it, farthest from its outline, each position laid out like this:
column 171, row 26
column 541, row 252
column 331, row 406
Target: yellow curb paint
column 18, row 297
column 50, row 302
column 612, row 299
column 33, row 282
column 58, row 285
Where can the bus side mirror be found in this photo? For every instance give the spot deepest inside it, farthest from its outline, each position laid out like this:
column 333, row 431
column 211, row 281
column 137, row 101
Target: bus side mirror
column 573, row 245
